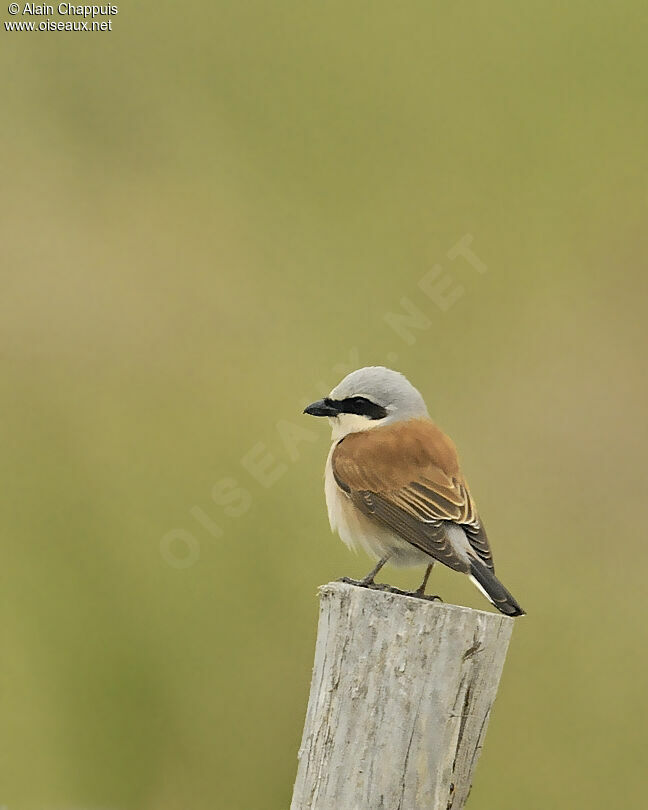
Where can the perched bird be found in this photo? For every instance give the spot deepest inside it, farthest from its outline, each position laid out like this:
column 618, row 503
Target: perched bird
column 393, row 484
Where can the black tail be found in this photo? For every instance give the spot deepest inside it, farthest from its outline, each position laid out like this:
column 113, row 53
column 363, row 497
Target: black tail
column 494, row 590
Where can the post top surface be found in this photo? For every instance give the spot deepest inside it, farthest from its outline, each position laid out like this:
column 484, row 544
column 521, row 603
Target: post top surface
column 404, row 599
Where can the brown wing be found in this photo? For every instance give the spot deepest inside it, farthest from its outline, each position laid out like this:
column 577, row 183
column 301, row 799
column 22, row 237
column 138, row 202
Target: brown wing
column 406, row 476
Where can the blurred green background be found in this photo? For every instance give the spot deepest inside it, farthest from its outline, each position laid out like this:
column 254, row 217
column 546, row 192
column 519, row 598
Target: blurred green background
column 207, row 215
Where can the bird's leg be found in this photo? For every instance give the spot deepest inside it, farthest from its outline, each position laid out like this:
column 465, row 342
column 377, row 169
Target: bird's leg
column 420, row 591
column 368, row 581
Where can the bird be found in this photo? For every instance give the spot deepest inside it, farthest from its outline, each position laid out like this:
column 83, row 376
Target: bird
column 394, row 486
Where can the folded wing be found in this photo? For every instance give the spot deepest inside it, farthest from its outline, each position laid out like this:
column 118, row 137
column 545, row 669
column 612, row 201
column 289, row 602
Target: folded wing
column 406, row 476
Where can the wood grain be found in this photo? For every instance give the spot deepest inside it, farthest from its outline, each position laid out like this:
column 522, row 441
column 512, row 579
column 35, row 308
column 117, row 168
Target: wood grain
column 400, row 698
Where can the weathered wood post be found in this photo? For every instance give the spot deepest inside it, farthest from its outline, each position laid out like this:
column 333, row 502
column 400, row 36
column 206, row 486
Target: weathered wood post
column 401, row 693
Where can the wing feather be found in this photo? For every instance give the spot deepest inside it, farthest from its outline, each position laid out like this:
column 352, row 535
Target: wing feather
column 406, row 476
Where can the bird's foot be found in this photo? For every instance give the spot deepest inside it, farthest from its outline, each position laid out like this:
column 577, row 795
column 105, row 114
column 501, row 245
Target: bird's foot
column 420, row 594
column 380, row 586
column 367, row 582
column 417, row 594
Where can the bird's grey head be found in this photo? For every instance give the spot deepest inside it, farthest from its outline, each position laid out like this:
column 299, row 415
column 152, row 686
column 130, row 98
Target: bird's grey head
column 367, row 398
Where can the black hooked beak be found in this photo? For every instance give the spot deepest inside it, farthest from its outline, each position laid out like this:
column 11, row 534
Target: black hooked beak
column 323, row 407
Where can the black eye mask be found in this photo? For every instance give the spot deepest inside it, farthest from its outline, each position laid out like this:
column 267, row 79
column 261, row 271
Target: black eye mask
column 357, row 405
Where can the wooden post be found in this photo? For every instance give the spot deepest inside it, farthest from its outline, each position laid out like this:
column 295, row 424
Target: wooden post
column 400, row 698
